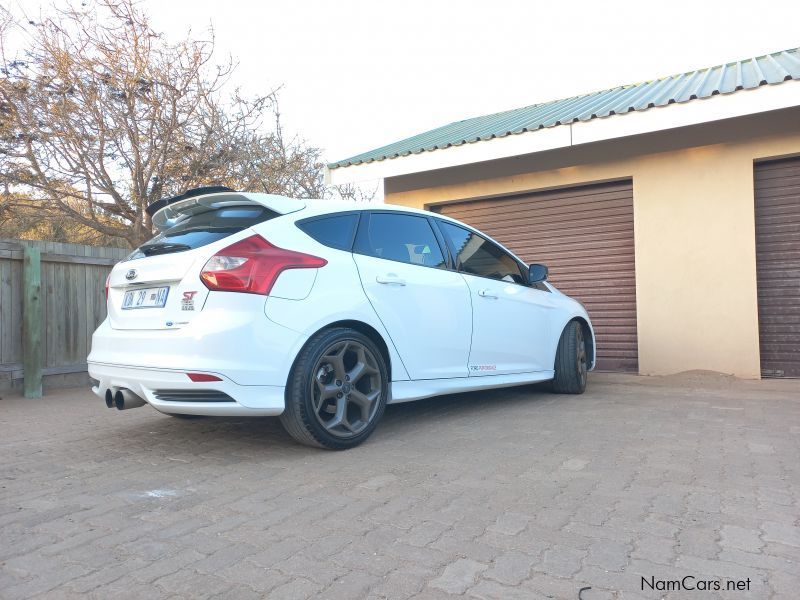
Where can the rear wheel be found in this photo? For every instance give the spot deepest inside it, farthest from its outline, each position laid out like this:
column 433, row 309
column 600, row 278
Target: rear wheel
column 337, row 390
column 571, row 361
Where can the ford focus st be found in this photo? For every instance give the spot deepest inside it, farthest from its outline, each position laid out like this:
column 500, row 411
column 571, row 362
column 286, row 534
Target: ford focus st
column 253, row 305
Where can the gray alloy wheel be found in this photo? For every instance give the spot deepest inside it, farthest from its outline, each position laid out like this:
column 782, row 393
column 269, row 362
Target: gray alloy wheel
column 345, row 388
column 337, row 390
column 571, row 365
column 583, row 370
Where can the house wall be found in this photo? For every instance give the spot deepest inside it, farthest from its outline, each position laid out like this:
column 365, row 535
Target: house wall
column 694, row 228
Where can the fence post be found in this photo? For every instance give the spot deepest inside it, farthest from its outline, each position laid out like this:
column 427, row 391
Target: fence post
column 32, row 321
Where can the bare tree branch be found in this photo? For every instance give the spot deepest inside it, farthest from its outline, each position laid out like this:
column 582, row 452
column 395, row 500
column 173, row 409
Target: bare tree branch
column 101, row 115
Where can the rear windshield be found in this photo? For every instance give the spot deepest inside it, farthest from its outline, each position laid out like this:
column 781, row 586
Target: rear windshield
column 202, row 228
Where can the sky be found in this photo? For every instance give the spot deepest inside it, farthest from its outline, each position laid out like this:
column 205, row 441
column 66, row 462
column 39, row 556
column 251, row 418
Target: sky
column 354, row 75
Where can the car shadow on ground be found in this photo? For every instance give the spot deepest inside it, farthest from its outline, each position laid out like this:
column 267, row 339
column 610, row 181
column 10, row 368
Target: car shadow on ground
column 243, row 435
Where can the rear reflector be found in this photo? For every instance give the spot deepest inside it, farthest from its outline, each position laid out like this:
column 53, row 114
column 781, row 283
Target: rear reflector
column 252, row 266
column 201, row 377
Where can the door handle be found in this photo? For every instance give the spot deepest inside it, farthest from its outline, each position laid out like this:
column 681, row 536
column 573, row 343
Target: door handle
column 487, row 294
column 390, row 279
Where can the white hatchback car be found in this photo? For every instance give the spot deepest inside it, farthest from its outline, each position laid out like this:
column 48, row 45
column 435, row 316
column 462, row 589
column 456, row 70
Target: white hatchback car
column 322, row 313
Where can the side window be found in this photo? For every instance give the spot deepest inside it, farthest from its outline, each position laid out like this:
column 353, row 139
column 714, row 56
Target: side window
column 336, row 232
column 478, row 256
column 404, row 238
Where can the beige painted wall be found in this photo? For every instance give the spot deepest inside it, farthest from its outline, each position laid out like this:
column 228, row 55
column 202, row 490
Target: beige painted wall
column 694, row 238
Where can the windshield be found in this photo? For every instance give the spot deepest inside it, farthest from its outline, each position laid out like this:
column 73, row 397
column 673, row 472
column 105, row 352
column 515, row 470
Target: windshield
column 196, row 229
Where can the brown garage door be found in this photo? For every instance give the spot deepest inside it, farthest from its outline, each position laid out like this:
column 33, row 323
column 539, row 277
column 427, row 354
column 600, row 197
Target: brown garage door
column 585, row 236
column 777, row 186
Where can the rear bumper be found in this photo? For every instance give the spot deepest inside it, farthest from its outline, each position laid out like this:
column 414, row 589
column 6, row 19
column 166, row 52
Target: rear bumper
column 248, row 400
column 231, row 336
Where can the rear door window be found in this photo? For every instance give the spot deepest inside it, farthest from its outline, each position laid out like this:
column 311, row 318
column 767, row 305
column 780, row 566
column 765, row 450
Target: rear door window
column 335, row 231
column 403, row 238
column 197, row 229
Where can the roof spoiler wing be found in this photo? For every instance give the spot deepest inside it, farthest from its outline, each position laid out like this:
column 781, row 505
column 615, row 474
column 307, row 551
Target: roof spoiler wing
column 164, row 211
column 194, row 192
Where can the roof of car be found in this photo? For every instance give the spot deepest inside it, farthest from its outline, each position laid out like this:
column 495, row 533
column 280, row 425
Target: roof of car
column 321, row 207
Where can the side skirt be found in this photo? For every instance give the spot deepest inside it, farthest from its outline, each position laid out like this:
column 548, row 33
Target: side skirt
column 405, row 391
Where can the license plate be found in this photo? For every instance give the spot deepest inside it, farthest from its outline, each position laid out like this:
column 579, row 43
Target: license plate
column 145, row 298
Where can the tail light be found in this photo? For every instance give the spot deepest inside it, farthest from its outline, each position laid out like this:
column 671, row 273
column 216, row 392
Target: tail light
column 252, row 266
column 108, row 278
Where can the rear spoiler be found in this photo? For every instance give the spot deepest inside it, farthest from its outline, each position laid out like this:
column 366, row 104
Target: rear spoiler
column 200, row 191
column 202, row 198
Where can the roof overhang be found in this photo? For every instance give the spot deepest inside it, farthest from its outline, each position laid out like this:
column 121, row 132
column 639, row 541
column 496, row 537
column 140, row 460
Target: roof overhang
column 672, row 116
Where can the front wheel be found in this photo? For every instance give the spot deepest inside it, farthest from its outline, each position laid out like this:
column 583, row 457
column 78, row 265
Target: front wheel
column 337, row 390
column 571, row 368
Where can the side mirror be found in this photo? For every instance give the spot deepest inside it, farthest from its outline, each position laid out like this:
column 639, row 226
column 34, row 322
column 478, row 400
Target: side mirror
column 537, row 273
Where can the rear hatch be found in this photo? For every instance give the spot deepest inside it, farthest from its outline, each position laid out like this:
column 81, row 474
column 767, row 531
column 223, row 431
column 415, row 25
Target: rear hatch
column 158, row 286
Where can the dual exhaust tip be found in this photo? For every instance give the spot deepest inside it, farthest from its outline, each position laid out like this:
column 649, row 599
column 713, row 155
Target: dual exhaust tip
column 122, row 399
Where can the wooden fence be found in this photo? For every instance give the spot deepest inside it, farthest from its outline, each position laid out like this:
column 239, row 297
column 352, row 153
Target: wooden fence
column 51, row 300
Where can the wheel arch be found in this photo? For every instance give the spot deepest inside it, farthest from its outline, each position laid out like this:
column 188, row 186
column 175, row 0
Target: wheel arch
column 367, row 330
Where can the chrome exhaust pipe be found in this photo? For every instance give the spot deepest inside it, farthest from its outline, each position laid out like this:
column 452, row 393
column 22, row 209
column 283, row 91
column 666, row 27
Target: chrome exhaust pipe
column 109, row 397
column 125, row 399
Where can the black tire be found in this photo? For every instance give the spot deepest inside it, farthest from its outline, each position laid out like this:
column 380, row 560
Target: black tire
column 312, row 415
column 570, row 366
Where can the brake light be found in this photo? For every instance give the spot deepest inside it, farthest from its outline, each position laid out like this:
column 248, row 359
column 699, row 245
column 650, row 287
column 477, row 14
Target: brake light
column 252, row 266
column 108, row 278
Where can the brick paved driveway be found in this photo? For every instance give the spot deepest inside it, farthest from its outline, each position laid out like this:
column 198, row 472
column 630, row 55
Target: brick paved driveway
column 510, row 494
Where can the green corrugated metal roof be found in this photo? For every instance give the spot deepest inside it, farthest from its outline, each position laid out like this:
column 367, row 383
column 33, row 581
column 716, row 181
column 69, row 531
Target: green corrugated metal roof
column 722, row 79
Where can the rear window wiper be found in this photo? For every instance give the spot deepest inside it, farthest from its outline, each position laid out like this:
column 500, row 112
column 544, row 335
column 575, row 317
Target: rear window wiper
column 163, row 248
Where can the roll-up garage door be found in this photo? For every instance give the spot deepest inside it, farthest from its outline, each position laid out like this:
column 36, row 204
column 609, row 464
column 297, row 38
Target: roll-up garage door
column 777, row 188
column 585, row 236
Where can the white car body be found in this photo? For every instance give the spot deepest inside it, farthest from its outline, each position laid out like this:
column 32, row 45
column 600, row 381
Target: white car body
column 444, row 331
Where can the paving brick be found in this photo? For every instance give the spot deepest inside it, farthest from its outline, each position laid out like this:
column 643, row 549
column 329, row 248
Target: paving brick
column 782, row 533
column 295, row 589
column 458, row 576
column 639, row 476
column 549, row 586
column 740, row 538
column 608, row 555
column 160, row 568
column 260, row 579
column 654, row 549
column 561, row 561
column 404, row 583
column 104, row 576
column 322, row 572
column 509, row 523
column 187, row 582
column 354, row 584
column 492, row 590
column 510, row 568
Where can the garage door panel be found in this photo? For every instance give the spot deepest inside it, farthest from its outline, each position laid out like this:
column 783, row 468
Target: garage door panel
column 551, row 208
column 614, row 239
column 578, row 218
column 585, row 237
column 546, row 199
column 777, row 178
column 574, row 229
column 777, row 216
column 779, row 253
column 778, row 185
